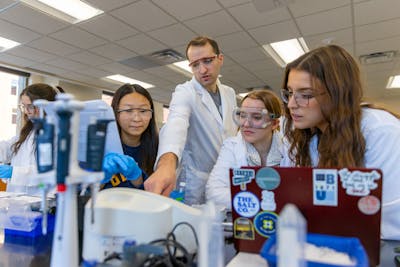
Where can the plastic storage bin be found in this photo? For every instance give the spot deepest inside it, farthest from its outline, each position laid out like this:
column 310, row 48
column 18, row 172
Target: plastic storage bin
column 349, row 245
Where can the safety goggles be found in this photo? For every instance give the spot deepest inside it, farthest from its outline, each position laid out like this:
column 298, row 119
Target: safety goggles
column 141, row 112
column 206, row 61
column 28, row 108
column 255, row 117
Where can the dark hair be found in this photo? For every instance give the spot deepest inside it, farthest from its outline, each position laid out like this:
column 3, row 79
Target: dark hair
column 334, row 72
column 202, row 41
column 34, row 92
column 149, row 137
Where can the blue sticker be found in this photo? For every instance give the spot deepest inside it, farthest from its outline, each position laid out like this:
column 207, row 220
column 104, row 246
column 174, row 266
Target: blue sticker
column 246, row 204
column 325, row 187
column 265, row 223
column 268, row 178
column 242, row 177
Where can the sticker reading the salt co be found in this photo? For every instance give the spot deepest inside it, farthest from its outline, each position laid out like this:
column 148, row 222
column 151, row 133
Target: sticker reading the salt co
column 246, row 204
column 268, row 178
column 369, row 205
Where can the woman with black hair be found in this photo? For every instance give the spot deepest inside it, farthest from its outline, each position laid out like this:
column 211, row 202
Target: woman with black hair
column 134, row 108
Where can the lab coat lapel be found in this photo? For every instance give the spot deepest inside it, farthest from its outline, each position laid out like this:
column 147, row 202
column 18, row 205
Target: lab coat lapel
column 207, row 101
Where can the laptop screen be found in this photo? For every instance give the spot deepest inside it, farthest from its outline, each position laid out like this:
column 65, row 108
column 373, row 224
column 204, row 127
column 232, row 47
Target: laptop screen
column 342, row 202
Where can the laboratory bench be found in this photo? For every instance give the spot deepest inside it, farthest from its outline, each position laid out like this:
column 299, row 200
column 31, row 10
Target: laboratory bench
column 17, row 255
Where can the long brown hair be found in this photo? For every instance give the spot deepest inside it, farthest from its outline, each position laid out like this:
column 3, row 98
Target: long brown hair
column 334, row 71
column 149, row 138
column 33, row 91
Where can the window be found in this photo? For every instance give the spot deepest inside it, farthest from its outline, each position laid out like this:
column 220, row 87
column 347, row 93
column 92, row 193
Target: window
column 12, row 83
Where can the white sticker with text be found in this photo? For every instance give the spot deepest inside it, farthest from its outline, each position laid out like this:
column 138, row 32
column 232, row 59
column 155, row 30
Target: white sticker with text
column 358, row 183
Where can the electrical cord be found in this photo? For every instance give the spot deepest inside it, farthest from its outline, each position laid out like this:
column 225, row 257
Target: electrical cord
column 150, row 256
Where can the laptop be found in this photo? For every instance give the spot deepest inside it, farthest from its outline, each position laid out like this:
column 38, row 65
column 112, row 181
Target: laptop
column 342, row 202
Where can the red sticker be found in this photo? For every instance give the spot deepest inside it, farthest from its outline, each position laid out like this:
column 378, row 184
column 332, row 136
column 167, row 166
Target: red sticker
column 369, row 205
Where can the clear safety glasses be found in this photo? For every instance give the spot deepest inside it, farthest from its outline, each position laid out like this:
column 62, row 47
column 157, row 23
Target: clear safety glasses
column 28, row 108
column 302, row 98
column 206, row 61
column 255, row 117
column 140, row 112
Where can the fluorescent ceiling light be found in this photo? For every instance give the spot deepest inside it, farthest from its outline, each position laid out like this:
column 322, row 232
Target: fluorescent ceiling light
column 393, row 82
column 286, row 51
column 123, row 79
column 184, row 65
column 72, row 11
column 7, row 44
column 243, row 94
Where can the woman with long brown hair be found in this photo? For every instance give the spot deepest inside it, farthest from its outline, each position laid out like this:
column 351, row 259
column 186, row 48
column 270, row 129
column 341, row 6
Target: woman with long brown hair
column 327, row 125
column 17, row 155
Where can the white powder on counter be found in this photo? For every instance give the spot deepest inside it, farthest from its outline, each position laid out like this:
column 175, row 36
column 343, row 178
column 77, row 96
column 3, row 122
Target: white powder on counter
column 327, row 255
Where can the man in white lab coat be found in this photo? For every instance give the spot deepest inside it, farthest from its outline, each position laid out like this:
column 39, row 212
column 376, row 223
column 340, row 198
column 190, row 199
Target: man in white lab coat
column 200, row 118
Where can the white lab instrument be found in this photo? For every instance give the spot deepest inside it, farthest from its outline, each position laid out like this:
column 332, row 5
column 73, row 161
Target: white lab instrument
column 122, row 214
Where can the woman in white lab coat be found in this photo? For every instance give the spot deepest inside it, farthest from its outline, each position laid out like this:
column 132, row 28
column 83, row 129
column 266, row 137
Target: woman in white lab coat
column 258, row 143
column 328, row 126
column 17, row 155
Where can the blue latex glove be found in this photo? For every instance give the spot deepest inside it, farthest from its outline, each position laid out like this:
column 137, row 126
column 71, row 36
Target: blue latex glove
column 118, row 163
column 5, row 171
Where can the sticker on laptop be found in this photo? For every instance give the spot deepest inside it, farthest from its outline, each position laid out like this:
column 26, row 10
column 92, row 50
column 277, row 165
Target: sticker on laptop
column 268, row 178
column 369, row 205
column 242, row 177
column 358, row 183
column 265, row 223
column 268, row 200
column 243, row 229
column 325, row 187
column 246, row 204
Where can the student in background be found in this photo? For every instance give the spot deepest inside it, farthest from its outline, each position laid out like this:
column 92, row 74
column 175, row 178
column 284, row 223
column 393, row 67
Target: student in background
column 327, row 125
column 199, row 120
column 133, row 108
column 258, row 143
column 18, row 154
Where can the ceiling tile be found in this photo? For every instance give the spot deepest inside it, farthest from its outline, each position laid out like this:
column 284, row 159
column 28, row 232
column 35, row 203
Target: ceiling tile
column 378, row 46
column 249, row 17
column 16, row 33
column 53, row 46
column 215, row 24
column 376, row 31
column 47, row 69
column 78, row 37
column 36, row 21
column 67, row 64
column 105, row 26
column 167, row 74
column 275, row 32
column 141, row 44
column 144, row 16
column 88, row 58
column 113, row 51
column 94, row 72
column 341, row 37
column 332, row 20
column 236, row 41
column 31, row 53
column 187, row 9
column 15, row 60
column 174, row 35
column 247, row 55
column 308, row 7
column 228, row 3
column 4, row 4
column 374, row 11
column 116, row 68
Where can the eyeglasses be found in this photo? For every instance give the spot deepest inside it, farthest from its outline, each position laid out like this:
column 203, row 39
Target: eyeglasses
column 256, row 117
column 28, row 108
column 206, row 61
column 302, row 98
column 141, row 112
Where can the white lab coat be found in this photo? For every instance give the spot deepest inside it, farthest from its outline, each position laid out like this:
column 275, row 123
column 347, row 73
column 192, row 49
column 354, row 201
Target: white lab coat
column 381, row 131
column 194, row 132
column 234, row 154
column 23, row 162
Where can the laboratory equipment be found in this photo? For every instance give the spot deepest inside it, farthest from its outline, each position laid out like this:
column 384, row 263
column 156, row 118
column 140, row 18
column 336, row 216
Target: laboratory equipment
column 126, row 214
